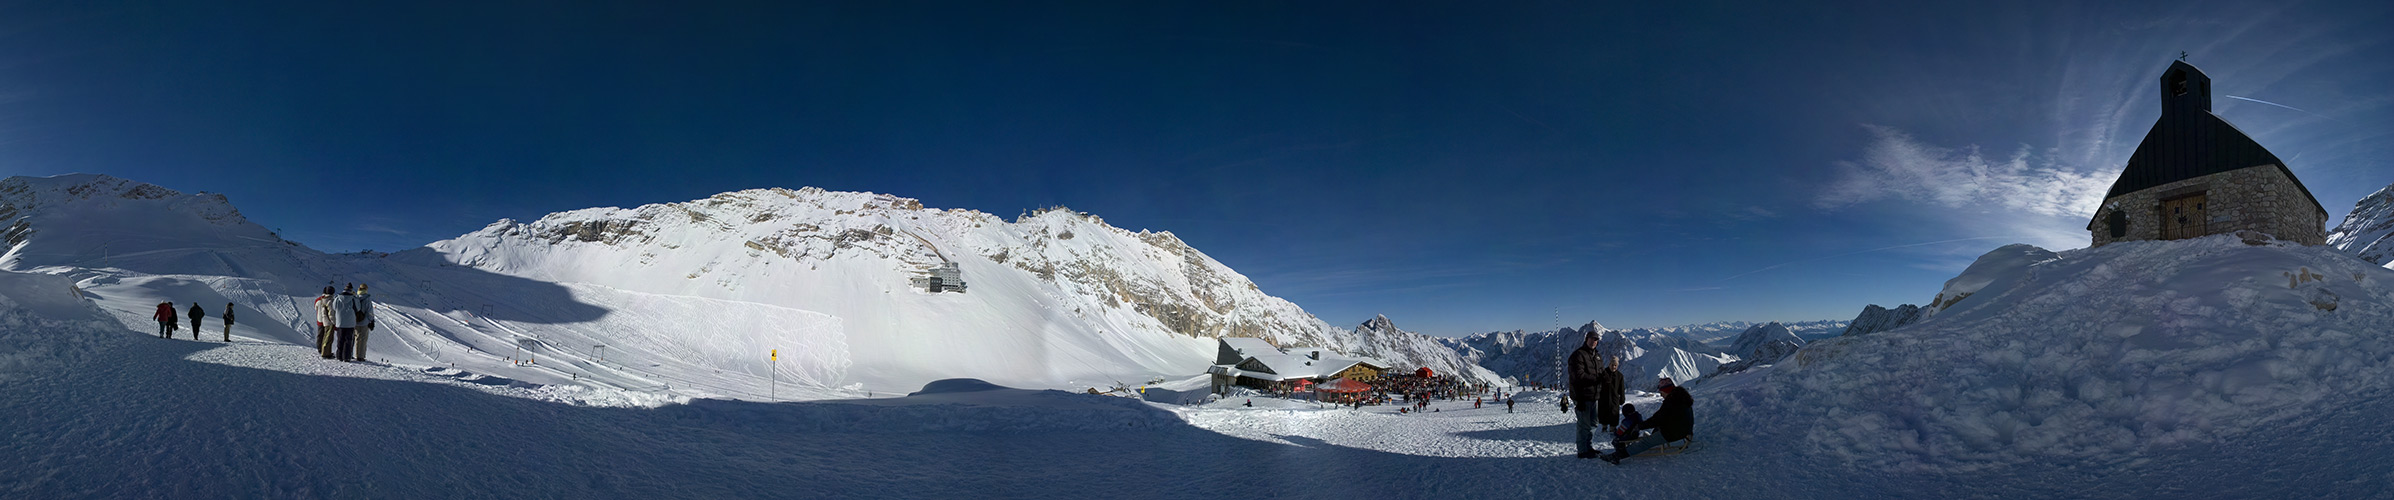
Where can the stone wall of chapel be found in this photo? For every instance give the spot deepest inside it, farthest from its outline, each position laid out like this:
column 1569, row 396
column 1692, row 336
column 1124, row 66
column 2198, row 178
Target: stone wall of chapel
column 2259, row 198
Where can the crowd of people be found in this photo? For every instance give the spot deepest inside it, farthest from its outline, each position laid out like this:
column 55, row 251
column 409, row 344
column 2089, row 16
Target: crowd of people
column 344, row 320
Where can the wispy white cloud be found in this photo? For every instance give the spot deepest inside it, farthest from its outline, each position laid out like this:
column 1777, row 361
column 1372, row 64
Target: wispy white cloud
column 1896, row 166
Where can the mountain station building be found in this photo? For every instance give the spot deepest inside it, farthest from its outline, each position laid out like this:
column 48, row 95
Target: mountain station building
column 1254, row 363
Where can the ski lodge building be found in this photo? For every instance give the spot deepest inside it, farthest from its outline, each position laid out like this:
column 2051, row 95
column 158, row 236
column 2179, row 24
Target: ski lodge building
column 1254, row 363
column 2197, row 175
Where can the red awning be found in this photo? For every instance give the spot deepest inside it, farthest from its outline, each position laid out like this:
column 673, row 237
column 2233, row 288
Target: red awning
column 1343, row 385
column 1423, row 373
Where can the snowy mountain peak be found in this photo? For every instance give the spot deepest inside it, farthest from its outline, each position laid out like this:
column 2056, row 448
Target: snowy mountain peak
column 83, row 219
column 1144, row 298
column 1874, row 319
column 2368, row 232
column 1754, row 339
column 21, row 194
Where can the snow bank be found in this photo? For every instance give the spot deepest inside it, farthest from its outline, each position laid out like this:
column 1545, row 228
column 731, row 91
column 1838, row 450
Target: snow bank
column 2093, row 357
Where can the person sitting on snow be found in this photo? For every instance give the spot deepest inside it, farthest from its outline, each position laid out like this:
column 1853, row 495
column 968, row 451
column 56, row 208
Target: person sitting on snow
column 1675, row 421
column 1629, row 425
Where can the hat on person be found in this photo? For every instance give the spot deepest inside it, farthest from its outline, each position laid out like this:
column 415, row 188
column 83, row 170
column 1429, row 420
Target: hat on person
column 1666, row 382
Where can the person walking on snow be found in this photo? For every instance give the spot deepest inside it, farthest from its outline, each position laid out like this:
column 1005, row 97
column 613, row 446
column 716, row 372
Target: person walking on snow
column 1586, row 370
column 1508, row 405
column 166, row 320
column 1675, row 421
column 365, row 321
column 344, row 316
column 228, row 322
column 324, row 331
column 196, row 316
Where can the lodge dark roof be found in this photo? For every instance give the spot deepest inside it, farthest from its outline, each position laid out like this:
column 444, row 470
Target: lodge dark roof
column 2189, row 141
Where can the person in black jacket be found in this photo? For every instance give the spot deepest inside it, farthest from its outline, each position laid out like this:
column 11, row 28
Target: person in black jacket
column 228, row 322
column 196, row 316
column 1675, row 421
column 1610, row 394
column 1587, row 373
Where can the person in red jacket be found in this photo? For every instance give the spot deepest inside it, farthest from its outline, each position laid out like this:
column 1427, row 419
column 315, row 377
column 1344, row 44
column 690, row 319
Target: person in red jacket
column 166, row 320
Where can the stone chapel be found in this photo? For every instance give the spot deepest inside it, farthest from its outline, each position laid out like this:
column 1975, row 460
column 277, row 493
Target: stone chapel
column 2197, row 175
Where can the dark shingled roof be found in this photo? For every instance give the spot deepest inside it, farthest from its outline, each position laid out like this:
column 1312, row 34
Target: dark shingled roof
column 2189, row 141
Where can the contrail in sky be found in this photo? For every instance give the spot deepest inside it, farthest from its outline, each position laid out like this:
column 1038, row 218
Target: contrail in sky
column 1881, row 249
column 2242, row 98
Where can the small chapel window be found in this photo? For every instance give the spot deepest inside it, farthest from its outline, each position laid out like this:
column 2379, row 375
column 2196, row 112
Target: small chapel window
column 2177, row 82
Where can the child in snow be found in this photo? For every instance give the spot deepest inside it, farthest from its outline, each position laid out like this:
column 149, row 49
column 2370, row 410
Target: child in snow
column 1629, row 424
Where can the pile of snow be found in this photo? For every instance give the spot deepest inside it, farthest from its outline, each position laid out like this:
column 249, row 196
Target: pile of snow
column 1879, row 319
column 2091, row 359
column 2000, row 269
column 2369, row 230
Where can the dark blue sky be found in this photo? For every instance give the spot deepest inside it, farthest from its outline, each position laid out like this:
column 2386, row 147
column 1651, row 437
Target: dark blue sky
column 1459, row 167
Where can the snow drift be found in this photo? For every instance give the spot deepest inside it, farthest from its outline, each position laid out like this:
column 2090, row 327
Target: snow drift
column 2089, row 358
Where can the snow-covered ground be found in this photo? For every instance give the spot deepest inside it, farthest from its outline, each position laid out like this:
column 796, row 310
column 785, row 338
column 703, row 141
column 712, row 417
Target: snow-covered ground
column 2207, row 368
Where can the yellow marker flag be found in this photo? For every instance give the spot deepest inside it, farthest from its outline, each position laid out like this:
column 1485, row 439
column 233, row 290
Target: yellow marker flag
column 776, row 354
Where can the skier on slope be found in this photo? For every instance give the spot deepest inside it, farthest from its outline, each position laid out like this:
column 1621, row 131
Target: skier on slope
column 324, row 331
column 1586, row 369
column 365, row 321
column 344, row 316
column 166, row 320
column 1675, row 421
column 228, row 322
column 196, row 316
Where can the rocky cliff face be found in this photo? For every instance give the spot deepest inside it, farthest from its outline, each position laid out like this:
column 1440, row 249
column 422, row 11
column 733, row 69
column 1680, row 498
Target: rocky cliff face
column 2368, row 231
column 1879, row 319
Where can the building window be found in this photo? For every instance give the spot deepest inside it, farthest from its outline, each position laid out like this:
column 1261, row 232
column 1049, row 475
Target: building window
column 2119, row 224
column 2177, row 82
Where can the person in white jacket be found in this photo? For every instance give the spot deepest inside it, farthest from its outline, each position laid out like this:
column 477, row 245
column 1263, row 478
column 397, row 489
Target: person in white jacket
column 324, row 323
column 365, row 321
column 344, row 322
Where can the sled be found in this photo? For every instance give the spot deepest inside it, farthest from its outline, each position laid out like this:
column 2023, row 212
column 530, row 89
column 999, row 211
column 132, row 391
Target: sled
column 1668, row 448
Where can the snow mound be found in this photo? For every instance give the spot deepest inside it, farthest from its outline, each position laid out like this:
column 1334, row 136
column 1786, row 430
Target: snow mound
column 957, row 385
column 1998, row 269
column 2089, row 358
